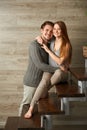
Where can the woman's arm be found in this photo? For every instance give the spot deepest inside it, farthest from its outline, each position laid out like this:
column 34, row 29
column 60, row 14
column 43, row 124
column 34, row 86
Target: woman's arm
column 57, row 59
column 60, row 61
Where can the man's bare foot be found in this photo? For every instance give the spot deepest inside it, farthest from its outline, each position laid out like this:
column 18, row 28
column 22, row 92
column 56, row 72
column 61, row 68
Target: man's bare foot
column 29, row 113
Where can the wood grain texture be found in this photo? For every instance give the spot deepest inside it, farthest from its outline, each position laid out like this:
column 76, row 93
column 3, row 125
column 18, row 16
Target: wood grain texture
column 20, row 22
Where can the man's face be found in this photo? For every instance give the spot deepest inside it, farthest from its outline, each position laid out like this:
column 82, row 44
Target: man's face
column 47, row 32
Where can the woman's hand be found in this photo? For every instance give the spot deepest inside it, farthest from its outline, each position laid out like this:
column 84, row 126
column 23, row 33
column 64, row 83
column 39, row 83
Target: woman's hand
column 64, row 67
column 39, row 40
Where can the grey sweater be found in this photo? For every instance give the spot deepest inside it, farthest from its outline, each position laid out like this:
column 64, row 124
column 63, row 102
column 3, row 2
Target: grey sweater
column 38, row 63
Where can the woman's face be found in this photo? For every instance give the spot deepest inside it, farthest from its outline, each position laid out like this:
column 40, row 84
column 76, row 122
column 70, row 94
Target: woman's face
column 57, row 30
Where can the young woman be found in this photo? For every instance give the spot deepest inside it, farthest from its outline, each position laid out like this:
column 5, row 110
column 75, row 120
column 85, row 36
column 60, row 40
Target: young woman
column 60, row 54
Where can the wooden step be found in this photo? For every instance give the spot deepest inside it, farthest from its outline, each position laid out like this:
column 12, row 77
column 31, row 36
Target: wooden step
column 18, row 123
column 29, row 124
column 79, row 73
column 12, row 123
column 46, row 106
column 49, row 105
column 68, row 89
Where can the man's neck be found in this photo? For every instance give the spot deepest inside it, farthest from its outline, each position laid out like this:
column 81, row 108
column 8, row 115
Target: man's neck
column 45, row 41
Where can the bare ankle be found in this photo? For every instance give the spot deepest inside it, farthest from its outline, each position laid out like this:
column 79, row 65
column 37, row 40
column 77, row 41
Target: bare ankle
column 31, row 109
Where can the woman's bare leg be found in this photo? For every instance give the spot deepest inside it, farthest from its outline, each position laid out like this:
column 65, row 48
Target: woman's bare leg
column 41, row 92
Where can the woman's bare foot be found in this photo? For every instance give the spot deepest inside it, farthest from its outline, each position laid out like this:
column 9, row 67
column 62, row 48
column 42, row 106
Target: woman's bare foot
column 29, row 113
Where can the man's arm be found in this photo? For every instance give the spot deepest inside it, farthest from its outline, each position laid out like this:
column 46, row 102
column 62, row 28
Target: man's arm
column 38, row 61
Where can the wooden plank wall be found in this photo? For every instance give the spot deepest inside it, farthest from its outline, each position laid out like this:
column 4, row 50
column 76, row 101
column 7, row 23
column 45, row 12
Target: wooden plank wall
column 19, row 25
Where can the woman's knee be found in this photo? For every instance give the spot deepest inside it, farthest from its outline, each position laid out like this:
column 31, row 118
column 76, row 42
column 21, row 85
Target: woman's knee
column 58, row 76
column 45, row 83
column 46, row 79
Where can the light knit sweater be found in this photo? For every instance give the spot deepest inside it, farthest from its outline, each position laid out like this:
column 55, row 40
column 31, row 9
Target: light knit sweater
column 38, row 63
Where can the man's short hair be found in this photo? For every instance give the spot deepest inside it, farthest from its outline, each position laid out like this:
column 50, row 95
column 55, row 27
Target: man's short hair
column 47, row 23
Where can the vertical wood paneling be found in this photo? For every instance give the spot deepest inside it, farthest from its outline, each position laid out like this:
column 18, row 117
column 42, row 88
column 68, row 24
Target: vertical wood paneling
column 20, row 22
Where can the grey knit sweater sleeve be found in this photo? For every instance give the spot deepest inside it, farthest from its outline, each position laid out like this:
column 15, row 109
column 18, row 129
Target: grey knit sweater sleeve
column 37, row 59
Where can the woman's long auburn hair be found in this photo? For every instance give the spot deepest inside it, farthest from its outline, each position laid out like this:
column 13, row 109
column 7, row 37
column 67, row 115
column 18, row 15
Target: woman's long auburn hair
column 66, row 48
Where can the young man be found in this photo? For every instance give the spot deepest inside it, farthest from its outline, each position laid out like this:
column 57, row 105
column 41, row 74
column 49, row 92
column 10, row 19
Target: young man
column 38, row 63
